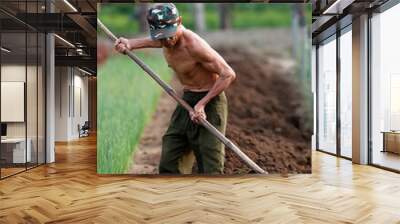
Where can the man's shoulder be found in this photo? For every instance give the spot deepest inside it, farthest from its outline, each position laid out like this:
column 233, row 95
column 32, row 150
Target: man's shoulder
column 195, row 44
column 189, row 33
column 191, row 37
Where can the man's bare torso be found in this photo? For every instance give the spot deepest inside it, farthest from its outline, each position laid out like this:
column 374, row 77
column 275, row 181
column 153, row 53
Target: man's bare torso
column 197, row 65
column 190, row 72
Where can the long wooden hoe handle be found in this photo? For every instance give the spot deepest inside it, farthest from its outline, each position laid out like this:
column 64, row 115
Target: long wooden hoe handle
column 228, row 143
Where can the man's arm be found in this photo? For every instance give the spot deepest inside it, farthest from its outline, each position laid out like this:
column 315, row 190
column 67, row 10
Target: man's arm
column 123, row 44
column 213, row 62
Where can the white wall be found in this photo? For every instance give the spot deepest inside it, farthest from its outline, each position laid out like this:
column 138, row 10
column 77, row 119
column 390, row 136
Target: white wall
column 71, row 87
column 14, row 73
column 79, row 117
column 62, row 81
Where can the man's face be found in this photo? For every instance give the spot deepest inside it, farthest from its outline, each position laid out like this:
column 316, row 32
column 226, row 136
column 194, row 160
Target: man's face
column 171, row 41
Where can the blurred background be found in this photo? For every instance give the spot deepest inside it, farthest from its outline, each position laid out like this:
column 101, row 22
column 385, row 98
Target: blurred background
column 269, row 44
column 206, row 16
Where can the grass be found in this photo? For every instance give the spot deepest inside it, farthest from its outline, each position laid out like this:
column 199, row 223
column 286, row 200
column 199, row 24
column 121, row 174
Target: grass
column 261, row 17
column 119, row 23
column 127, row 99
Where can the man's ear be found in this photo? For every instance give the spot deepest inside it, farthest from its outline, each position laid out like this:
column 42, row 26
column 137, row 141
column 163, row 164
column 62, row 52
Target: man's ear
column 180, row 20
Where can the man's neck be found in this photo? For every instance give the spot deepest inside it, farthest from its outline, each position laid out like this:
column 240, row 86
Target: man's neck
column 180, row 31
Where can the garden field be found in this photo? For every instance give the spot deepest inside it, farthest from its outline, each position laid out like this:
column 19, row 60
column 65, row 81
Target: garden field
column 127, row 98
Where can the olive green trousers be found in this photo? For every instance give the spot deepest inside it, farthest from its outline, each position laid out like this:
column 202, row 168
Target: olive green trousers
column 184, row 135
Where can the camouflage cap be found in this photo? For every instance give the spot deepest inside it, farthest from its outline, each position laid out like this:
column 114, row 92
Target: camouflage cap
column 163, row 21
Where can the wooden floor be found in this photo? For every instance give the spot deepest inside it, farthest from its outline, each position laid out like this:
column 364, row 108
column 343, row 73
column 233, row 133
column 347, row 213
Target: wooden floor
column 11, row 170
column 70, row 191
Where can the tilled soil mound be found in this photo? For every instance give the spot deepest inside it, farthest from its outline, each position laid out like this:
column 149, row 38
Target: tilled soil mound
column 266, row 116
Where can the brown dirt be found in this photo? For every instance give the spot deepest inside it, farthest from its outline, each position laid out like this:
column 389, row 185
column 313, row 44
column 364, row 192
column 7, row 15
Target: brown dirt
column 265, row 116
column 265, row 119
column 147, row 154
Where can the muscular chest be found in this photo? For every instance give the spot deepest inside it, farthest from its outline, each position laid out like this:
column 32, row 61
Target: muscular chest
column 181, row 61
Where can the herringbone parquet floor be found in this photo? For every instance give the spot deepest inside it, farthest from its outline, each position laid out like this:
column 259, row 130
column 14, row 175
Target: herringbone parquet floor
column 70, row 191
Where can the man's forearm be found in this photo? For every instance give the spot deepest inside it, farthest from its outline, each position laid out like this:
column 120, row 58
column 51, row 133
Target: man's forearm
column 220, row 85
column 143, row 43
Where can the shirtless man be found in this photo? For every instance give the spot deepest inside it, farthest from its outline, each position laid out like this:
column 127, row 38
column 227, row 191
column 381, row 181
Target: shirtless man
column 204, row 75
